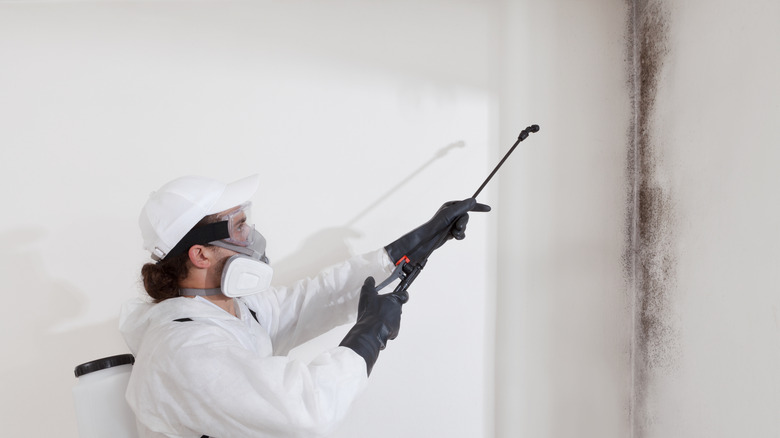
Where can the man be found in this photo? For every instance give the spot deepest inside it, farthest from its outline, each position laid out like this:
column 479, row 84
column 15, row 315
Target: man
column 211, row 348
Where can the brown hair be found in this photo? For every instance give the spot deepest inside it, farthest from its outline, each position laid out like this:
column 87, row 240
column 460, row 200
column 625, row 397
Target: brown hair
column 161, row 279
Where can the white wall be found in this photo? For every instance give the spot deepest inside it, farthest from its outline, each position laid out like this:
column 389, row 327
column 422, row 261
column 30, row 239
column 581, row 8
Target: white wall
column 563, row 318
column 637, row 273
column 362, row 118
column 715, row 129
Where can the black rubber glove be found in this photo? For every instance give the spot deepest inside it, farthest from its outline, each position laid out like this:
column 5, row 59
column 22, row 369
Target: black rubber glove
column 379, row 319
column 419, row 242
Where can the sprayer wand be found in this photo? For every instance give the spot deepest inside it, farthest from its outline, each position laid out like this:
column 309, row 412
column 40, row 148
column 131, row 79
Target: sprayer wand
column 407, row 271
column 523, row 135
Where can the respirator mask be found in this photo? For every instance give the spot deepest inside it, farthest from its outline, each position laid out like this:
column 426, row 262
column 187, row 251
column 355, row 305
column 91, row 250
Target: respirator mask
column 245, row 273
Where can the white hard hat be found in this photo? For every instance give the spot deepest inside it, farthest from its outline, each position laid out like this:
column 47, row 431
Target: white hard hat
column 179, row 205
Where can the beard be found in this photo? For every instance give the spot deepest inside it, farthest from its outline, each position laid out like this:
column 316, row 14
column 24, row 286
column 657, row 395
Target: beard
column 220, row 266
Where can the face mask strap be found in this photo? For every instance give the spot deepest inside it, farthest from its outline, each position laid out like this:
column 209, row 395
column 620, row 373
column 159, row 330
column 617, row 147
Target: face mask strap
column 199, row 236
column 200, row 292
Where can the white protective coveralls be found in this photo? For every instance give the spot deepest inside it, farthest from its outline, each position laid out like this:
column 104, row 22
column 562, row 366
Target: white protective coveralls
column 229, row 377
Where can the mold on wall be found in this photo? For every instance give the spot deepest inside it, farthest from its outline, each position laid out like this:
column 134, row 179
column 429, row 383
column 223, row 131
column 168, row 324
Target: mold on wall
column 650, row 261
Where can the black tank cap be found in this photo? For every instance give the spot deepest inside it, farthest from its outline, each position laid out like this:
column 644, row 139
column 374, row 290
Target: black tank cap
column 101, row 364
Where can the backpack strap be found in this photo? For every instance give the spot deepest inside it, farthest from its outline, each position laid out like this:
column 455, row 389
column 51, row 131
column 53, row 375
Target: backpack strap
column 254, row 315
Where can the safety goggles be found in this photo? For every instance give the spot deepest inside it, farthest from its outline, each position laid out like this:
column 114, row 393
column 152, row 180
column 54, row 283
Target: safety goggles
column 239, row 225
column 234, row 226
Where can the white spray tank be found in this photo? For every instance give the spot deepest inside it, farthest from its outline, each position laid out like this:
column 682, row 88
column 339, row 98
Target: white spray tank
column 99, row 395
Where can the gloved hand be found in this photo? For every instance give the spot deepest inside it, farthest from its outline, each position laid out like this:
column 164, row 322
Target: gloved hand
column 419, row 242
column 379, row 319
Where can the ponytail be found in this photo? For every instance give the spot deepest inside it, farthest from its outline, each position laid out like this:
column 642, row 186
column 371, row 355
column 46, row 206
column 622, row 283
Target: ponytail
column 161, row 280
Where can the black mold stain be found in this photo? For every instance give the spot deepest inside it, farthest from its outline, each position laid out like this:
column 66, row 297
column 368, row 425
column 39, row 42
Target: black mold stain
column 650, row 260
